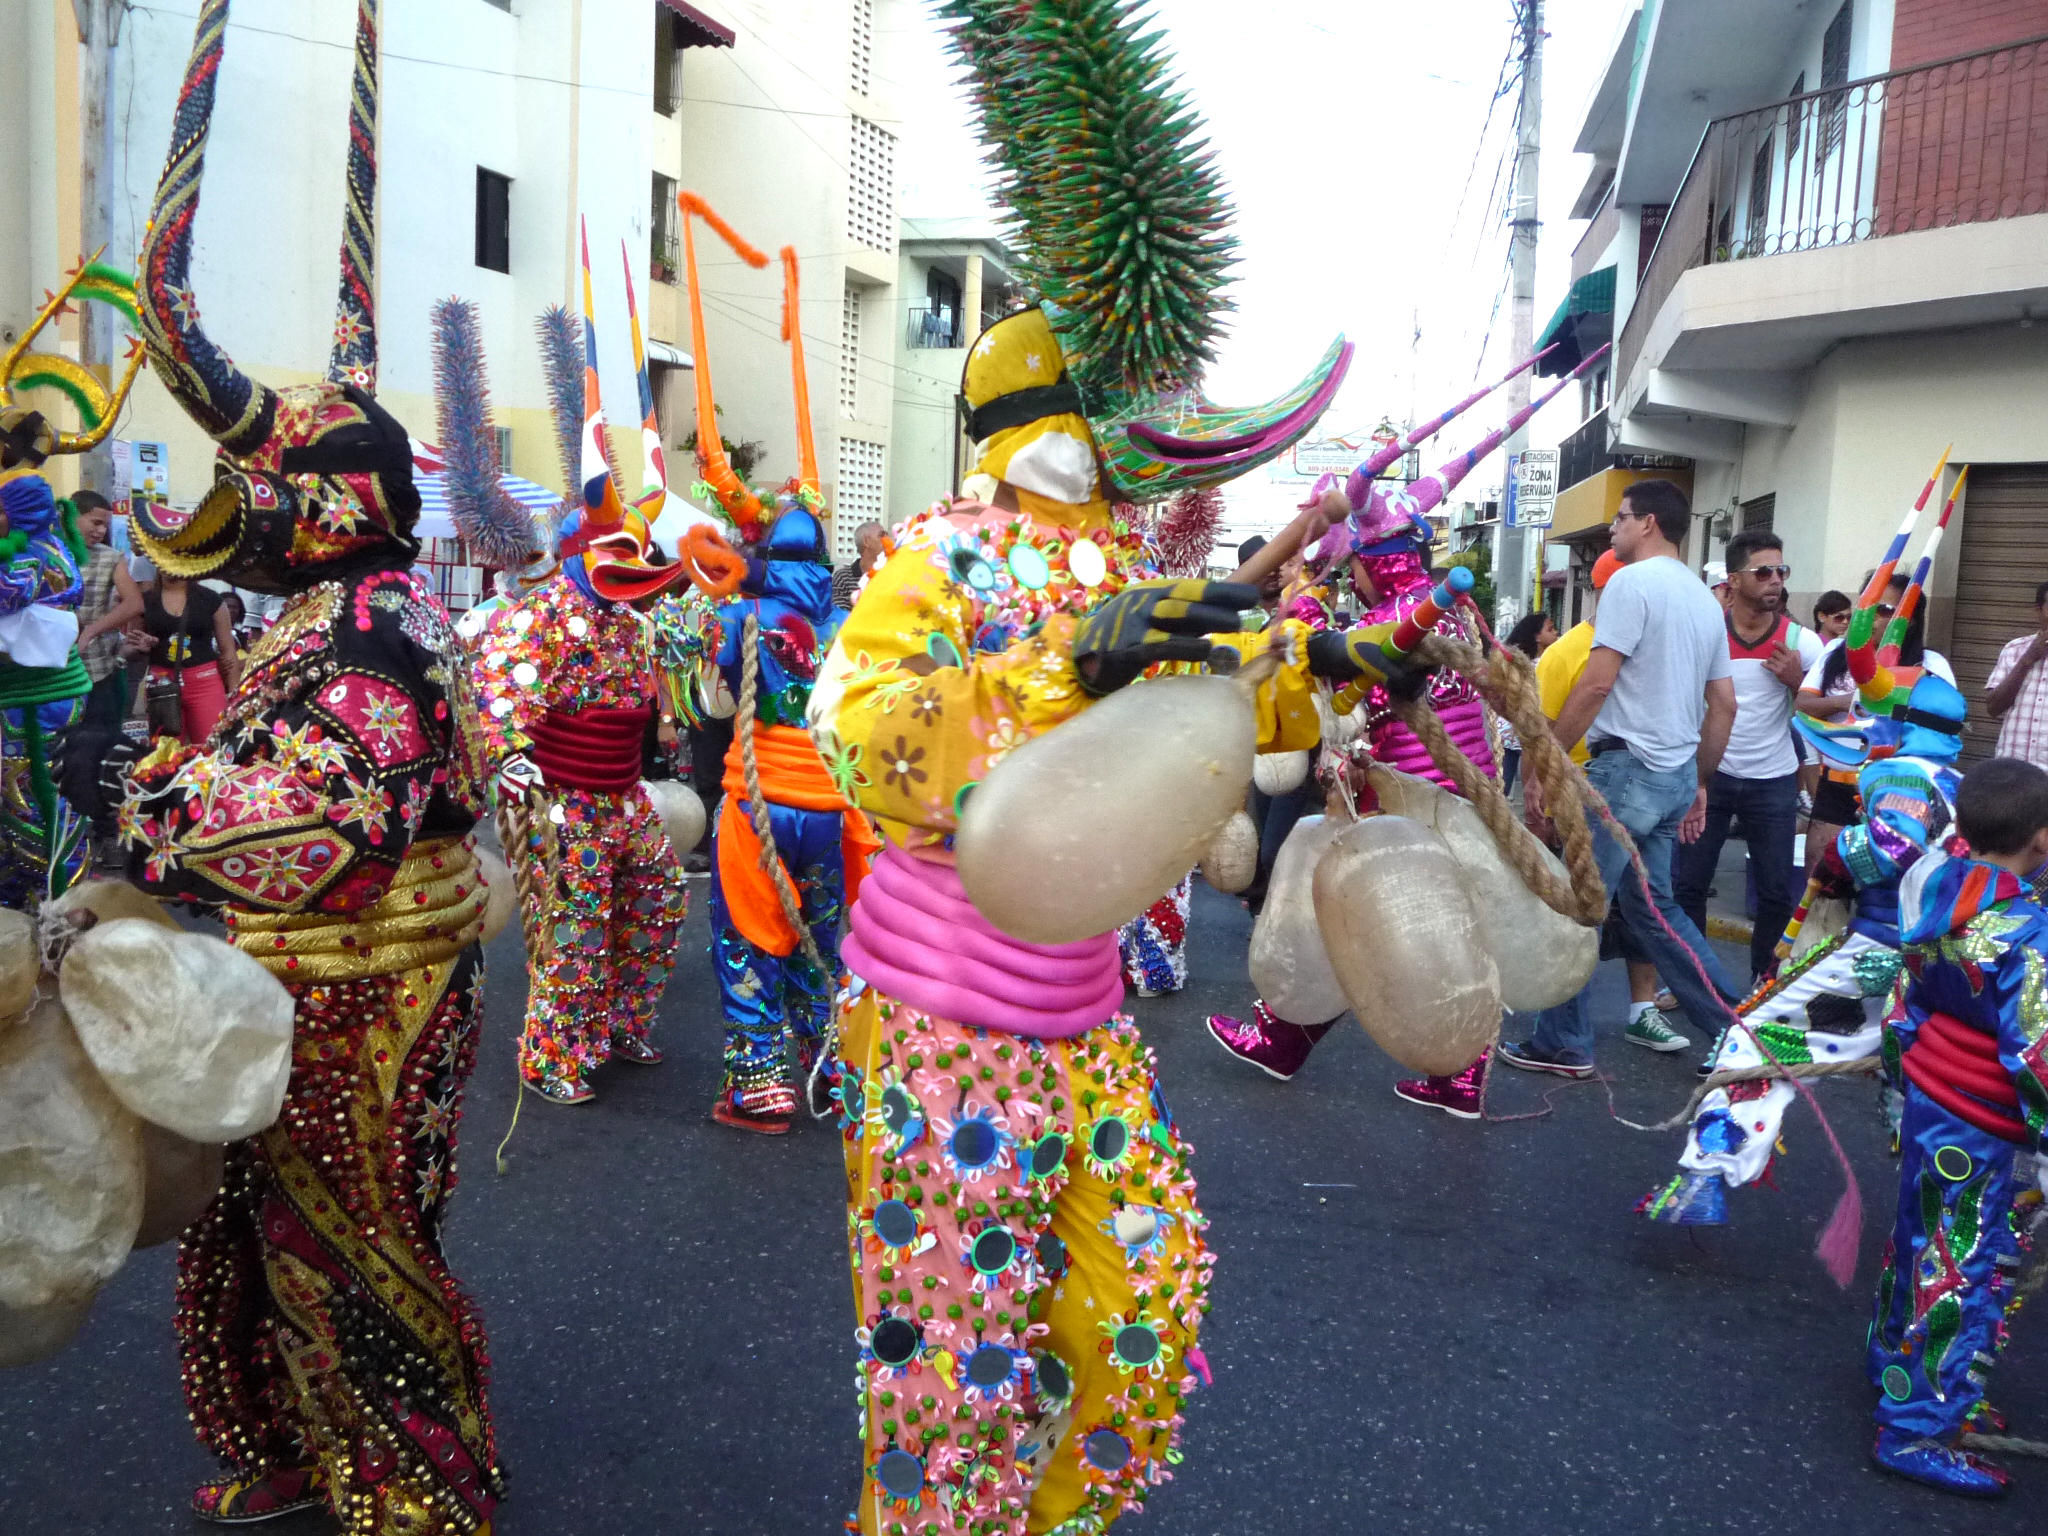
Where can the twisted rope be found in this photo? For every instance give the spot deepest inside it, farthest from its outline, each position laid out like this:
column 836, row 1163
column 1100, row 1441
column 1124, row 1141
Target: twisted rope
column 533, row 858
column 1867, row 1066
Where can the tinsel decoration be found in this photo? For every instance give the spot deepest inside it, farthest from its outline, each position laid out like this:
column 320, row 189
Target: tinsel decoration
column 561, row 356
column 1184, row 531
column 1116, row 202
column 499, row 531
column 109, row 285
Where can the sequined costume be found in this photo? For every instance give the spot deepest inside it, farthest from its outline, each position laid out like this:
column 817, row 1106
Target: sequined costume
column 562, row 679
column 1154, row 943
column 328, row 1353
column 1029, row 1266
column 42, row 690
column 1967, row 1044
column 1828, row 1005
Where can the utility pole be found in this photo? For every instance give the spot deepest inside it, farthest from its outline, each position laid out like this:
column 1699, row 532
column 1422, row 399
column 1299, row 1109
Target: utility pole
column 1514, row 571
column 99, row 33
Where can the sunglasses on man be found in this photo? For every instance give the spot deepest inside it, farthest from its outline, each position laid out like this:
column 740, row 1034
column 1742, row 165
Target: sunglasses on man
column 1782, row 572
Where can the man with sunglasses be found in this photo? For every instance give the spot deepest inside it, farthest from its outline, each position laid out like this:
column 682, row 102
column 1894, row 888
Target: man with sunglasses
column 1757, row 782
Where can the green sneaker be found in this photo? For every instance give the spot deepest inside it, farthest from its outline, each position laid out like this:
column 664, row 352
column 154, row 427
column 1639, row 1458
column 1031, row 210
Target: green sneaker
column 1649, row 1030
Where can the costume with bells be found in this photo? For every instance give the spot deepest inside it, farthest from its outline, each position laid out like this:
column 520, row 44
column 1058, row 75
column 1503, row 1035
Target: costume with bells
column 1030, row 1272
column 1387, row 532
column 1828, row 1004
column 328, row 1354
column 43, row 682
column 782, row 870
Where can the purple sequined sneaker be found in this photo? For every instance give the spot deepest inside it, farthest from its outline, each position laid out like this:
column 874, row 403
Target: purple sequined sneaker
column 1276, row 1047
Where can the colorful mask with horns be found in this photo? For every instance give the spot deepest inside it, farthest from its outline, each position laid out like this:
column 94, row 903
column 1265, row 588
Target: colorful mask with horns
column 312, row 480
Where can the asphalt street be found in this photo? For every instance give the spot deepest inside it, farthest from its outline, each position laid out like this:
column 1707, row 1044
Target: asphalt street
column 1420, row 1325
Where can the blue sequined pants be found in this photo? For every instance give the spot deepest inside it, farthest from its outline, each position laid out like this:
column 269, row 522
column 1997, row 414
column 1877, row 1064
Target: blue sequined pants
column 765, row 994
column 1948, row 1274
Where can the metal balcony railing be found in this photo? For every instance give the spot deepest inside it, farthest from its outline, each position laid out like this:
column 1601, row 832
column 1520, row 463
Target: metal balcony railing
column 665, row 257
column 1584, row 454
column 935, row 328
column 1964, row 141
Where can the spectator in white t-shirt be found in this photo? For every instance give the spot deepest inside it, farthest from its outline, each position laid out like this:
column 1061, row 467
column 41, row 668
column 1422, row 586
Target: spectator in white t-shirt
column 1828, row 692
column 2017, row 691
column 1655, row 704
column 1758, row 780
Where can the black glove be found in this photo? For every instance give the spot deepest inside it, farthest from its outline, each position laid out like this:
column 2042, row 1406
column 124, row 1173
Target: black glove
column 1349, row 655
column 1155, row 621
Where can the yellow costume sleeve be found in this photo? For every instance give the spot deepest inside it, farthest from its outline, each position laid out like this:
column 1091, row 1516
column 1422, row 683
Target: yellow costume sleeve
column 1285, row 702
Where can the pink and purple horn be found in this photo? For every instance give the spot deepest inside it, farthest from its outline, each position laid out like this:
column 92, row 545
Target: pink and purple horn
column 1359, row 486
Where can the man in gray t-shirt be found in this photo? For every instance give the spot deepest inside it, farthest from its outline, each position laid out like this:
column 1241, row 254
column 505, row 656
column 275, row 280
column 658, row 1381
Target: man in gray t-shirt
column 1655, row 705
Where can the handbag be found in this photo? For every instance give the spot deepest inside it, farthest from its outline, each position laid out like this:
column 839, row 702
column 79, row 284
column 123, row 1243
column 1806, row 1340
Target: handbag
column 163, row 698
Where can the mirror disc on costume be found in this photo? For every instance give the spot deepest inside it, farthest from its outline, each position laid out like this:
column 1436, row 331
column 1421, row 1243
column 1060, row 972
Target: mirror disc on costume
column 1086, row 563
column 899, row 1109
column 974, row 1143
column 1029, row 567
column 1109, row 1140
column 1106, row 1450
column 1135, row 1225
column 1052, row 1255
column 895, row 1342
column 1048, row 1155
column 1136, row 1344
column 895, row 1223
column 989, row 1366
column 942, row 650
column 1953, row 1163
column 579, row 626
column 1051, row 1374
column 993, row 1250
column 900, row 1474
column 1898, row 1386
column 853, row 1098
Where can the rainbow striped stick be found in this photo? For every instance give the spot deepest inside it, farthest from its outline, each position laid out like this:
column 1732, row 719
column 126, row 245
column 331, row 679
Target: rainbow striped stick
column 1861, row 641
column 1895, row 632
column 653, row 467
column 1427, row 614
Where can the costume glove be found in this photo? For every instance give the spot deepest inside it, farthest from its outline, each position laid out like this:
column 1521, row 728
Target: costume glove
column 1154, row 621
column 1354, row 655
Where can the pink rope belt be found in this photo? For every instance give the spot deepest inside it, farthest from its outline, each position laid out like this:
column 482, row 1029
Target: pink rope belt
column 915, row 935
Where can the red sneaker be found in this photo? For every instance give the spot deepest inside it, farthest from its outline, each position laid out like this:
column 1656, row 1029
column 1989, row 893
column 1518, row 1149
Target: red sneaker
column 1267, row 1041
column 259, row 1496
column 1459, row 1095
column 766, row 1111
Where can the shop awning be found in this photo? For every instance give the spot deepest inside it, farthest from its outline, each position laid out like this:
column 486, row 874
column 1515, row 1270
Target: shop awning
column 1584, row 323
column 700, row 31
column 669, row 356
column 1583, row 511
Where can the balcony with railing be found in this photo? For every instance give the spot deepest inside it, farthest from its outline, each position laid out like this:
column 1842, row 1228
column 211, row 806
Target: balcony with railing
column 934, row 327
column 1941, row 146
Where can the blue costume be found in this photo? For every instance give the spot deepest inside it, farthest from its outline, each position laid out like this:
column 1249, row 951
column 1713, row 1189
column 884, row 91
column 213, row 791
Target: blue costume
column 1967, row 1043
column 42, row 845
column 1828, row 1005
column 772, row 987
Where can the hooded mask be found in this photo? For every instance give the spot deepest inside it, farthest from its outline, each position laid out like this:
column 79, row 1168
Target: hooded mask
column 1927, row 724
column 311, row 480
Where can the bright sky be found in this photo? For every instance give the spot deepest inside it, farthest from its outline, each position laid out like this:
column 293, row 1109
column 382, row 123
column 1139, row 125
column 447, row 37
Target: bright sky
column 1348, row 134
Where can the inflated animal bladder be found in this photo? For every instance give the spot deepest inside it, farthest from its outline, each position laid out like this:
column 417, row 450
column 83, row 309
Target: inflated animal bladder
column 1405, row 944
column 681, row 812
column 1279, row 773
column 20, row 965
column 501, row 896
column 106, row 900
column 188, row 1032
column 1542, row 956
column 1290, row 965
column 1081, row 828
column 1231, row 861
column 179, row 1181
column 71, row 1177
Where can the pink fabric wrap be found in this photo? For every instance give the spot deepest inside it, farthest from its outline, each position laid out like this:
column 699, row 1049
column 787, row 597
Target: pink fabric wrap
column 914, row 935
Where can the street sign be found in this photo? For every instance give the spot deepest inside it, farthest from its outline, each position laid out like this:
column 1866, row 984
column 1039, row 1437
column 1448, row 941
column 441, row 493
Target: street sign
column 1328, row 457
column 1535, row 481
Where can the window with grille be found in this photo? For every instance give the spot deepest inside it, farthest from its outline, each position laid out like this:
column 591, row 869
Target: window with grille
column 858, row 497
column 863, row 49
column 849, row 354
column 871, row 189
column 1834, row 71
column 669, row 43
column 493, row 220
column 504, row 437
column 665, row 233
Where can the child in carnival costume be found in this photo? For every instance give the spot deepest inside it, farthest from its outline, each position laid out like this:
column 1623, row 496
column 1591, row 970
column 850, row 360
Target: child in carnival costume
column 1828, row 1004
column 329, row 1356
column 1385, row 539
column 42, row 680
column 1966, row 1046
column 1029, row 1266
column 564, row 680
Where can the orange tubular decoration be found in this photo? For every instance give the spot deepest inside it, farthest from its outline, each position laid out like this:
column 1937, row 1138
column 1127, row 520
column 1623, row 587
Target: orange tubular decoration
column 739, row 502
column 793, row 332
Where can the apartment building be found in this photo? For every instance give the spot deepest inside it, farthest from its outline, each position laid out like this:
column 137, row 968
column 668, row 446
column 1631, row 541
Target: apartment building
column 1826, row 232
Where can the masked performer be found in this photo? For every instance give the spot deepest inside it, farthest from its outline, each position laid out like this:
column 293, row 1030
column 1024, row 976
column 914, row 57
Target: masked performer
column 43, row 682
column 1828, row 1004
column 1029, row 1265
column 329, row 1356
column 1386, row 541
column 563, row 678
column 1965, row 1047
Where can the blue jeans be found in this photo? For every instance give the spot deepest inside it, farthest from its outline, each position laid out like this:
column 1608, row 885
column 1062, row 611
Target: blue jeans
column 1649, row 802
column 1769, row 812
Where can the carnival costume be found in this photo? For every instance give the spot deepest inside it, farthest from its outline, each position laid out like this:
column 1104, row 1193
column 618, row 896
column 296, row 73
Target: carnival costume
column 328, row 1354
column 1389, row 535
column 43, row 682
column 1030, row 1272
column 1828, row 1005
column 1965, row 1046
